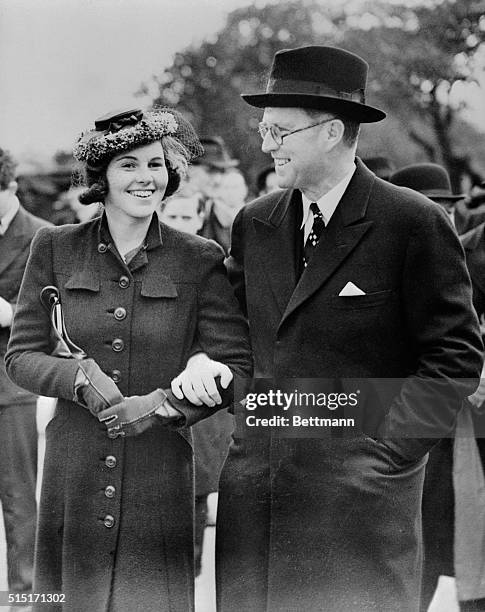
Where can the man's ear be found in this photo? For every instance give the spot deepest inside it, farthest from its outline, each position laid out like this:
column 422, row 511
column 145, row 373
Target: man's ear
column 12, row 187
column 336, row 131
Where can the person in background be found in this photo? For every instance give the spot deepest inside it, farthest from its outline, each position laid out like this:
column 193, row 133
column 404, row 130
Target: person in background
column 214, row 164
column 18, row 431
column 183, row 212
column 211, row 435
column 382, row 167
column 266, row 181
column 433, row 181
column 341, row 275
column 438, row 503
column 68, row 209
column 140, row 301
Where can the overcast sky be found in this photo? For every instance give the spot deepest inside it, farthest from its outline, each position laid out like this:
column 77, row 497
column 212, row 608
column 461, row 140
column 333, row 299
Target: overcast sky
column 65, row 62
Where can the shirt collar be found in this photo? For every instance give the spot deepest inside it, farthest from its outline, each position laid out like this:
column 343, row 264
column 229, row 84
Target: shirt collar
column 7, row 219
column 328, row 202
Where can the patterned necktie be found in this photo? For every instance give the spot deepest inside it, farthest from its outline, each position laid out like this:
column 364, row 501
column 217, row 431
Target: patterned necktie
column 315, row 233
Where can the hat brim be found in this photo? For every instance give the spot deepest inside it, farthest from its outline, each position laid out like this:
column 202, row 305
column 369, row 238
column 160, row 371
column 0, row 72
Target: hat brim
column 353, row 110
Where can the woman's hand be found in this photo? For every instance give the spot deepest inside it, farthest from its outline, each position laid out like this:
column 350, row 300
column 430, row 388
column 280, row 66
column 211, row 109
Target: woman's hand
column 94, row 389
column 197, row 382
column 478, row 398
column 136, row 414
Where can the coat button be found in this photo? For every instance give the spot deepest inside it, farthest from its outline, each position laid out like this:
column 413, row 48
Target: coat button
column 120, row 313
column 109, row 521
column 102, row 248
column 116, row 376
column 117, row 345
column 124, row 282
column 110, row 461
column 110, row 491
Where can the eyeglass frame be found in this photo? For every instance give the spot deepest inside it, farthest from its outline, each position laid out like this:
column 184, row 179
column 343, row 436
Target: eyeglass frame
column 278, row 138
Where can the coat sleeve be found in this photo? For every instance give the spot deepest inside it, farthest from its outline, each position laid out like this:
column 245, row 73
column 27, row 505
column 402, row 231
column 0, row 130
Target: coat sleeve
column 235, row 262
column 222, row 331
column 443, row 328
column 28, row 360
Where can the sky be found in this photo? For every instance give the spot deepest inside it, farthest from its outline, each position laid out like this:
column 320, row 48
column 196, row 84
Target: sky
column 65, row 62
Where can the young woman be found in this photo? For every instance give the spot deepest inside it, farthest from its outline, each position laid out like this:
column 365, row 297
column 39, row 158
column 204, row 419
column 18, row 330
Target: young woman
column 140, row 299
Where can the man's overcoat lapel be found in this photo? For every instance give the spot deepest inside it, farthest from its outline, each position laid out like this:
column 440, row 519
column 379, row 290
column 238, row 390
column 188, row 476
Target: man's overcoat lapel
column 14, row 241
column 277, row 246
column 278, row 249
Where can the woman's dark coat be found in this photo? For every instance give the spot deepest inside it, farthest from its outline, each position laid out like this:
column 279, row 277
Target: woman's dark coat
column 115, row 520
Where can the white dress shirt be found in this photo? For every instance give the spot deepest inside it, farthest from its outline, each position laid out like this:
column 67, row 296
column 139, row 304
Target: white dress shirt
column 327, row 204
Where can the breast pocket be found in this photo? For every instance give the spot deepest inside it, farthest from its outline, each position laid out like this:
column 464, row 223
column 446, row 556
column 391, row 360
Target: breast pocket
column 355, row 302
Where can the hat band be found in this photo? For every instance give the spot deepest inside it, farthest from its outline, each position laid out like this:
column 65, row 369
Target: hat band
column 290, row 86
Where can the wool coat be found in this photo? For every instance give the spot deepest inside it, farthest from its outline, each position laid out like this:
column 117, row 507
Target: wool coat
column 334, row 524
column 116, row 515
column 14, row 251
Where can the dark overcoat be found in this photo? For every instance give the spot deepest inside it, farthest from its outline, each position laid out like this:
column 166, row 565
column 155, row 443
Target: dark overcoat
column 14, row 251
column 334, row 524
column 116, row 515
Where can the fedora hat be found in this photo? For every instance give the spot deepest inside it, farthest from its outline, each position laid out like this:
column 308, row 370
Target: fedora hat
column 318, row 77
column 215, row 154
column 431, row 180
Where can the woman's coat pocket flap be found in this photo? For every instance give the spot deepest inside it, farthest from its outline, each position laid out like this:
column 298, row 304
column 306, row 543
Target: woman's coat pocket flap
column 83, row 280
column 158, row 287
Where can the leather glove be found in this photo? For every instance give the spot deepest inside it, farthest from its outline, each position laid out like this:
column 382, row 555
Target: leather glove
column 94, row 389
column 136, row 414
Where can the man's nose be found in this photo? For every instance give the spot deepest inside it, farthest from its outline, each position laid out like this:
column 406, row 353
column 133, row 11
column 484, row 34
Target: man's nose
column 269, row 144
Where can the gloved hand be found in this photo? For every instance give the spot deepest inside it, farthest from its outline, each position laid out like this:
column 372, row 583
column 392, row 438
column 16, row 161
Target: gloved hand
column 94, row 389
column 136, row 414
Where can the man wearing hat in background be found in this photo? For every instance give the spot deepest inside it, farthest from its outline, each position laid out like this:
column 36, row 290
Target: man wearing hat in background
column 341, row 275
column 441, row 518
column 18, row 430
column 205, row 175
column 432, row 181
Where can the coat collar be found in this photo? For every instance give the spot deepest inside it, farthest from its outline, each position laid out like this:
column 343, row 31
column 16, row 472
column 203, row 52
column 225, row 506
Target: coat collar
column 11, row 243
column 277, row 241
column 154, row 283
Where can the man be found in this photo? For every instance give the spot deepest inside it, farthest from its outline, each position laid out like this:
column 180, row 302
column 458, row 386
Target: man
column 333, row 524
column 433, row 181
column 442, row 519
column 18, row 431
column 207, row 173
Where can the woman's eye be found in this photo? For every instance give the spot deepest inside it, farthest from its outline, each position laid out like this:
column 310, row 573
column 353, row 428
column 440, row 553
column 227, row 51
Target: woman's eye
column 157, row 165
column 128, row 165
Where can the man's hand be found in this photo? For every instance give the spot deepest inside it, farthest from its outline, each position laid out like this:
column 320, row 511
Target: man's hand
column 136, row 414
column 6, row 313
column 197, row 382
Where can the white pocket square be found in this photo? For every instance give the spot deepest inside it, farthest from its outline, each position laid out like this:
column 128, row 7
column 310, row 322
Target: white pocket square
column 351, row 290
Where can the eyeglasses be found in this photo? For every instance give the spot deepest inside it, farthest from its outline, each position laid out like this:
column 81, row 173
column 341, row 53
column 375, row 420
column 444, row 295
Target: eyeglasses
column 277, row 135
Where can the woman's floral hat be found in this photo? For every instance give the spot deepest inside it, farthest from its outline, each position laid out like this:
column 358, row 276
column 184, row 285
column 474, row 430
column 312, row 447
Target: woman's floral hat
column 122, row 130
